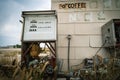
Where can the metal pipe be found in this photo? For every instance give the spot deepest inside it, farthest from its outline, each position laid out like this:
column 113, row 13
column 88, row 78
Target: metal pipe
column 69, row 38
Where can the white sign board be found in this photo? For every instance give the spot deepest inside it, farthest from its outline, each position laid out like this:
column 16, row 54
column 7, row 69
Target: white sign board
column 39, row 27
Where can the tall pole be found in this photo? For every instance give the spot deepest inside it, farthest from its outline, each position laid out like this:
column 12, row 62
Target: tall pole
column 69, row 38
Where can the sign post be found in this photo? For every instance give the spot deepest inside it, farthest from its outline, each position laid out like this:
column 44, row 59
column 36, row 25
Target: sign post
column 39, row 27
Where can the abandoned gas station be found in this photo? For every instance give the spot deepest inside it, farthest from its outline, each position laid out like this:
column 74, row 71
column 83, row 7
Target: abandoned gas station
column 75, row 40
column 81, row 37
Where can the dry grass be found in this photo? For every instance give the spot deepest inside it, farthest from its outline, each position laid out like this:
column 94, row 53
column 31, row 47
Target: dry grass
column 5, row 78
column 6, row 58
column 8, row 55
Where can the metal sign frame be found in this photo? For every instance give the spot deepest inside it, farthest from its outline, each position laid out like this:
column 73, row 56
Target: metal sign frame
column 39, row 26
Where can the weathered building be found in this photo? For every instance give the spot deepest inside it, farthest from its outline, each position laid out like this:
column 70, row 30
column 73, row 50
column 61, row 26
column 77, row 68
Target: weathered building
column 82, row 19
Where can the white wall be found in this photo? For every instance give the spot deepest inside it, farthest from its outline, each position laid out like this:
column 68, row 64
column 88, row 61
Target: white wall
column 85, row 27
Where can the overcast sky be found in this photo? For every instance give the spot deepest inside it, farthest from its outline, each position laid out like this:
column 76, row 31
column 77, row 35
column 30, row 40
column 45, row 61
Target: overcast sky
column 10, row 14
